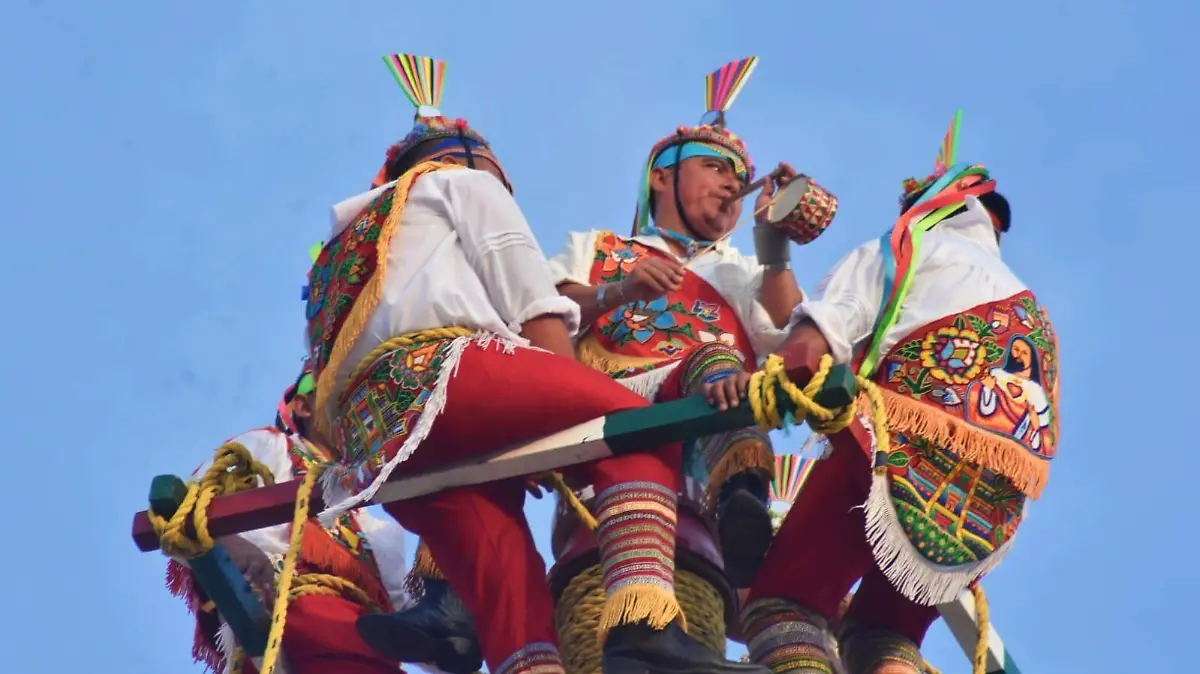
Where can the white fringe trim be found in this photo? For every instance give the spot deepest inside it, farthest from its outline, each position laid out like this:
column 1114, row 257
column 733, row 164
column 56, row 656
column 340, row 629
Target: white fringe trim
column 227, row 644
column 910, row 572
column 332, row 490
column 647, row 384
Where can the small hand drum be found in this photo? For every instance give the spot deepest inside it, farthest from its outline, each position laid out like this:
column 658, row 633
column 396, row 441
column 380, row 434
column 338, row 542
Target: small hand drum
column 803, row 209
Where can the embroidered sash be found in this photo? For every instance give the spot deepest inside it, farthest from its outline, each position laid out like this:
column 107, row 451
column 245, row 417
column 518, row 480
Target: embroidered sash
column 972, row 404
column 642, row 336
column 983, row 383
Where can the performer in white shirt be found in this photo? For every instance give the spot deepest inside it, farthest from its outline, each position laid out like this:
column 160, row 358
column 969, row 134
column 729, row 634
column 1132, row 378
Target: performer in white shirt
column 437, row 336
column 967, row 361
column 675, row 306
column 319, row 636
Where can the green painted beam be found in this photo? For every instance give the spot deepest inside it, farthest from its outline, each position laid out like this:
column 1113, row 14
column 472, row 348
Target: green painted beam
column 961, row 619
column 220, row 578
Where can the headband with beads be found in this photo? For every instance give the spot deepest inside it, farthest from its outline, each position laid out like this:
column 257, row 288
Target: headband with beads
column 722, row 87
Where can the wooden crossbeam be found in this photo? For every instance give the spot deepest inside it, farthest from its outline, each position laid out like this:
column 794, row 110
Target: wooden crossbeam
column 615, row 434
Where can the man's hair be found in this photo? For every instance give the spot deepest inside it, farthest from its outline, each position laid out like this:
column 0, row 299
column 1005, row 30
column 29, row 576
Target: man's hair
column 405, row 161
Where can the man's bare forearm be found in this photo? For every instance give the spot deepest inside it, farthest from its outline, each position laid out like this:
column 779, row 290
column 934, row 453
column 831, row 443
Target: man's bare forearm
column 780, row 295
column 588, row 299
column 549, row 332
column 806, row 332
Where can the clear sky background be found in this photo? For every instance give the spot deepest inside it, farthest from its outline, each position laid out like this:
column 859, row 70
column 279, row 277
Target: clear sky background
column 165, row 166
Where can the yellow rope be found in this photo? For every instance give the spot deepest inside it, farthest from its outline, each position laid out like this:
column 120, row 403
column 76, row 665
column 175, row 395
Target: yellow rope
column 983, row 622
column 983, row 619
column 407, row 339
column 234, row 469
column 763, row 399
column 579, row 610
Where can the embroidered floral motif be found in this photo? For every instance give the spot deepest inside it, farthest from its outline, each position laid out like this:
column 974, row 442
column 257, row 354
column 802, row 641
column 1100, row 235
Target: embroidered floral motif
column 617, row 257
column 954, row 356
column 385, row 402
column 339, row 275
column 664, row 327
column 993, row 367
column 705, row 311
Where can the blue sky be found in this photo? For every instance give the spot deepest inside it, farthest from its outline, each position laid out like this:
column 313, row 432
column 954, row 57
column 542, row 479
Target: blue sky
column 164, row 167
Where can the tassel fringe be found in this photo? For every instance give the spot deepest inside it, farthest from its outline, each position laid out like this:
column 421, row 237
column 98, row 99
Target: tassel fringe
column 1028, row 472
column 320, row 550
column 914, row 576
column 656, row 606
column 423, row 568
column 744, row 455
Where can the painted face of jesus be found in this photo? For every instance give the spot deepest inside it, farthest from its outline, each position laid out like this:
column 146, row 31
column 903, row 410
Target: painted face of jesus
column 1023, row 355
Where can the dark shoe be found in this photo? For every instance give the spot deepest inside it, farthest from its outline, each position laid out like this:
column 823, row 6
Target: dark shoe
column 439, row 629
column 744, row 526
column 640, row 649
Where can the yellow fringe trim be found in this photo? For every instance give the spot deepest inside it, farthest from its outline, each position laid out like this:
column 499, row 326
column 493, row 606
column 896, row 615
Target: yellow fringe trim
column 1003, row 455
column 745, row 455
column 365, row 305
column 578, row 610
column 637, row 603
column 591, row 354
column 424, row 565
column 423, row 568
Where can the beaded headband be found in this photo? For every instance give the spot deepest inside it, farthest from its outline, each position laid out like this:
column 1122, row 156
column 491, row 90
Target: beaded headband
column 722, row 87
column 423, row 80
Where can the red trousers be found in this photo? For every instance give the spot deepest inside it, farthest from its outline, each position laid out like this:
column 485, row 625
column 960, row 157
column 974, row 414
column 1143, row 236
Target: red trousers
column 320, row 638
column 821, row 551
column 479, row 534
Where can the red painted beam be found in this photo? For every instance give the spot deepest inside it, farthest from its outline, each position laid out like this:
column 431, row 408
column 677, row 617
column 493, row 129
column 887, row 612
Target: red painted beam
column 245, row 511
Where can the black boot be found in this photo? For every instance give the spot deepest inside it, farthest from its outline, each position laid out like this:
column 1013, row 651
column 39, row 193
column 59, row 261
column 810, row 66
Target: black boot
column 640, row 649
column 439, row 629
column 744, row 526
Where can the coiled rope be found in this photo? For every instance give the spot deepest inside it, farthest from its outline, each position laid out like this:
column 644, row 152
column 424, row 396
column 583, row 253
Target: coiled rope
column 234, row 470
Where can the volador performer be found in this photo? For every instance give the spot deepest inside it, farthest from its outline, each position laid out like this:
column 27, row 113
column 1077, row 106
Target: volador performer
column 675, row 306
column 967, row 363
column 320, row 636
column 430, row 293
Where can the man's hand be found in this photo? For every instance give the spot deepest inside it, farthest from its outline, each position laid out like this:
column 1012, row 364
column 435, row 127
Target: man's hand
column 652, row 278
column 254, row 564
column 774, row 182
column 538, row 485
column 728, row 392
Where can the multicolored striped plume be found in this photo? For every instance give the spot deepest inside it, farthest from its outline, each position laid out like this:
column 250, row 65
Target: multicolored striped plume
column 948, row 153
column 722, row 87
column 791, row 472
column 422, row 79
